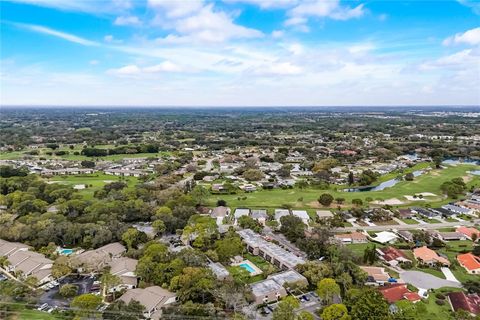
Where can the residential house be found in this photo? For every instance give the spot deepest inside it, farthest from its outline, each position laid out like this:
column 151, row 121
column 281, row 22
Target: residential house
column 451, row 236
column 405, row 235
column 240, row 212
column 467, row 302
column 426, row 256
column 457, row 209
column 279, row 213
column 99, row 258
column 220, row 212
column 124, row 268
column 260, row 215
column 324, row 214
column 385, row 237
column 219, row 270
column 25, row 263
column 429, row 214
column 354, row 237
column 392, row 256
column 398, row 291
column 469, row 232
column 8, row 248
column 152, row 298
column 376, row 275
column 31, row 264
column 406, row 213
column 470, row 262
column 302, row 214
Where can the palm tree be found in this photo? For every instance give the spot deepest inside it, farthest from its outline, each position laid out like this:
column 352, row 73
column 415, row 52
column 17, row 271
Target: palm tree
column 108, row 281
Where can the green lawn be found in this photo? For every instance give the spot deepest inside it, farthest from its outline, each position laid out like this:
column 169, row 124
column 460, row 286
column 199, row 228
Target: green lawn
column 410, row 221
column 12, row 155
column 434, row 272
column 435, row 311
column 19, row 311
column 453, row 249
column 94, row 181
column 429, row 182
column 359, row 248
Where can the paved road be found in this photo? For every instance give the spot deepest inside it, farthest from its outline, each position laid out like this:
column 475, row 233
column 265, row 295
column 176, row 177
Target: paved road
column 427, row 281
column 430, row 226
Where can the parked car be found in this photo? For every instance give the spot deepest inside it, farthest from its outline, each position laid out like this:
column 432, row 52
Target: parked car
column 43, row 307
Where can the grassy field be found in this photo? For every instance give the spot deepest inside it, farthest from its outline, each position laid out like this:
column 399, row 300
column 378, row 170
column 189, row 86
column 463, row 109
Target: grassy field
column 20, row 312
column 307, row 198
column 410, row 221
column 12, row 155
column 94, row 182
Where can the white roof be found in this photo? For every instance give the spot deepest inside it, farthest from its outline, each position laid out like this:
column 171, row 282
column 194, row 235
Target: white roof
column 302, row 214
column 241, row 212
column 281, row 213
column 384, row 237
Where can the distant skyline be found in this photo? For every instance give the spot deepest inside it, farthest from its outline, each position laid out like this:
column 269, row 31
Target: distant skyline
column 239, row 52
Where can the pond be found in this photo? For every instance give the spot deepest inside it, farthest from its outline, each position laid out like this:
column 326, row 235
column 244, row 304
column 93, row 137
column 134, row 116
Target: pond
column 382, row 186
column 455, row 161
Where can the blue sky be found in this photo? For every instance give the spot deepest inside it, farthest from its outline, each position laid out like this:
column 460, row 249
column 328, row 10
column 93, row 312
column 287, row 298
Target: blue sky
column 240, row 52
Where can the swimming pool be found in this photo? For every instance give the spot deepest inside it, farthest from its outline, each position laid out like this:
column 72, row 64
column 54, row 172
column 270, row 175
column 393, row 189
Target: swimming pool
column 247, row 267
column 65, row 252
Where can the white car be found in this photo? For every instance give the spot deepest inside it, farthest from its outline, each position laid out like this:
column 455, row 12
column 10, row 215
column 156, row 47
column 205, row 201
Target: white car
column 43, row 307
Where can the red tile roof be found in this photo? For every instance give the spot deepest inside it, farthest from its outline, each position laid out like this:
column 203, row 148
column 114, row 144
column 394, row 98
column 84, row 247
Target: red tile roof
column 468, row 231
column 398, row 291
column 460, row 300
column 391, row 253
column 469, row 261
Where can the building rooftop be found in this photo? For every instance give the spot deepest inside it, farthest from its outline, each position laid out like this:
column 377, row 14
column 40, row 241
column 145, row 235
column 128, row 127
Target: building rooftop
column 289, row 276
column 264, row 287
column 469, row 261
column 255, row 240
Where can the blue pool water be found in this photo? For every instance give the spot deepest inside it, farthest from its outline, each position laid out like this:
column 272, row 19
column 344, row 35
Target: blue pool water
column 65, row 252
column 247, row 267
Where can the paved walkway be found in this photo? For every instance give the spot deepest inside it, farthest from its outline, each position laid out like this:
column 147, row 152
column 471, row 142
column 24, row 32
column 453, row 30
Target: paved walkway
column 424, row 280
column 448, row 274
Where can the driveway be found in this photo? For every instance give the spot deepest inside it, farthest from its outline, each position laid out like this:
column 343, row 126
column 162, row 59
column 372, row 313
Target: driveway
column 424, row 280
column 448, row 274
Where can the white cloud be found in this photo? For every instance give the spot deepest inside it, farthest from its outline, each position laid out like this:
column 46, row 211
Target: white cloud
column 127, row 21
column 474, row 4
column 276, row 34
column 90, row 6
column 134, row 70
column 176, row 9
column 126, row 70
column 322, row 9
column 166, row 66
column 471, row 37
column 195, row 21
column 55, row 33
column 281, row 68
column 266, row 4
column 93, row 62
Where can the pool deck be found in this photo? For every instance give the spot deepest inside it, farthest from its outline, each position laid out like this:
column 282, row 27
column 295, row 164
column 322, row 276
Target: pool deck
column 256, row 270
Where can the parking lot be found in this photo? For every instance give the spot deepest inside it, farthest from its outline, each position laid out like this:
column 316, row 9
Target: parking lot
column 308, row 302
column 54, row 299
